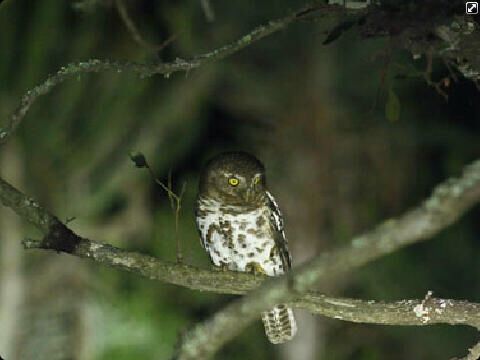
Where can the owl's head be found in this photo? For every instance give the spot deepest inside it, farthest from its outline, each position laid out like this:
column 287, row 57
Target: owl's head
column 233, row 177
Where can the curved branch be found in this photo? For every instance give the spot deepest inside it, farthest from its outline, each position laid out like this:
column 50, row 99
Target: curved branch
column 427, row 311
column 145, row 70
column 406, row 312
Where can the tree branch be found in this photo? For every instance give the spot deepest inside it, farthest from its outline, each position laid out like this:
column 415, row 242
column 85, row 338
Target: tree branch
column 146, row 70
column 449, row 201
column 406, row 312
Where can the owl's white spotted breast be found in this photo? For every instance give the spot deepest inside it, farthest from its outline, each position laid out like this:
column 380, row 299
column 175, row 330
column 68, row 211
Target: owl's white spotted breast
column 235, row 237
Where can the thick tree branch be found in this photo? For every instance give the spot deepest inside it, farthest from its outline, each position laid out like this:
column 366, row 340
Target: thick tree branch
column 145, row 70
column 406, row 312
column 427, row 311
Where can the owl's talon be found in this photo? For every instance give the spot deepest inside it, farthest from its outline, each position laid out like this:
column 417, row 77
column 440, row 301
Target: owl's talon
column 255, row 268
column 223, row 267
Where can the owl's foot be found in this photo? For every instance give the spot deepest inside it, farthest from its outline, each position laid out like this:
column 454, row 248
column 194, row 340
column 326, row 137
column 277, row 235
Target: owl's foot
column 222, row 267
column 255, row 268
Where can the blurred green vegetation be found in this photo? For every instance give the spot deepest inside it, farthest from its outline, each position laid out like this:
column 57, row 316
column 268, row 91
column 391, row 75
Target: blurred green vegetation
column 316, row 114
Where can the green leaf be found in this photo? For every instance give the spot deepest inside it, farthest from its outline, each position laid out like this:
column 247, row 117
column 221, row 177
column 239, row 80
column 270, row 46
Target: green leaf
column 392, row 107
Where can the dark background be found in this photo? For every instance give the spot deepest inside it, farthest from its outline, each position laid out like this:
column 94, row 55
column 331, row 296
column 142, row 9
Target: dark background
column 339, row 156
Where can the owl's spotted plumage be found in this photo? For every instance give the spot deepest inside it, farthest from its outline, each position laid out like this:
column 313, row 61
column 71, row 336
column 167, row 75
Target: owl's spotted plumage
column 241, row 227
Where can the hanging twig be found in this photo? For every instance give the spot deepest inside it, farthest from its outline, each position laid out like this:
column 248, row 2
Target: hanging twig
column 132, row 29
column 175, row 200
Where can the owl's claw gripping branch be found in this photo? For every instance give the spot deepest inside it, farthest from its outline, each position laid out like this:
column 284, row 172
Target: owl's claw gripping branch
column 255, row 269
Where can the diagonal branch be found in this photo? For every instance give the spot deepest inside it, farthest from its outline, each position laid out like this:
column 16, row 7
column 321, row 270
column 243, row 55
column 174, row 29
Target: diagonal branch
column 145, row 70
column 448, row 201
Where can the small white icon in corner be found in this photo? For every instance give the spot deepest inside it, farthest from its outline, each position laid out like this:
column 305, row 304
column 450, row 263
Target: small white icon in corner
column 471, row 7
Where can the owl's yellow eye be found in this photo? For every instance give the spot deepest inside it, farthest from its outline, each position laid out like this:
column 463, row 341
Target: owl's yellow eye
column 233, row 181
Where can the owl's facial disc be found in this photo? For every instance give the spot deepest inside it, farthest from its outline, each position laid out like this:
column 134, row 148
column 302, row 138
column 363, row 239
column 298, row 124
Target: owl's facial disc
column 233, row 177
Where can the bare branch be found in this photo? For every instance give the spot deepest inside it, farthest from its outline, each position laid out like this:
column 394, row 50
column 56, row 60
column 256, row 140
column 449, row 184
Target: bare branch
column 146, row 70
column 208, row 10
column 132, row 29
column 405, row 312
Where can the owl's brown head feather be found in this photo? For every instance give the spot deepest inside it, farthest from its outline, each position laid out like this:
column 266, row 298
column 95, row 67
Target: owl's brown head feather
column 234, row 178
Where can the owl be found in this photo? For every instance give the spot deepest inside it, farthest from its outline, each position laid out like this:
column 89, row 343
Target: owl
column 241, row 228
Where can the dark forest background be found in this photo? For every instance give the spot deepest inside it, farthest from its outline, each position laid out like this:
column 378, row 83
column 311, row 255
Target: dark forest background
column 350, row 133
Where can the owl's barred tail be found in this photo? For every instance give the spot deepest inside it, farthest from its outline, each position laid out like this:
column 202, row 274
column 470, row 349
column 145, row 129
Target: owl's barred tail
column 280, row 325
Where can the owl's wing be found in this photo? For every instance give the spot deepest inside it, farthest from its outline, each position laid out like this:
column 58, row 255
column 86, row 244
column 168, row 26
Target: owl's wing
column 200, row 224
column 203, row 220
column 276, row 219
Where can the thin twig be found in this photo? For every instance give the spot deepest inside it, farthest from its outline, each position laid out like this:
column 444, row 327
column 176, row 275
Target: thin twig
column 134, row 32
column 146, row 70
column 208, row 10
column 437, row 85
column 174, row 199
column 177, row 218
column 448, row 65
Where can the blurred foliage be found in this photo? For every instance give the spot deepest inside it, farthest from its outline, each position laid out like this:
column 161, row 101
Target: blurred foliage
column 289, row 99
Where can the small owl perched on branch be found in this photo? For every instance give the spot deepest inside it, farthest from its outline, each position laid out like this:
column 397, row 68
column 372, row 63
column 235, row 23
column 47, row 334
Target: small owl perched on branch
column 241, row 228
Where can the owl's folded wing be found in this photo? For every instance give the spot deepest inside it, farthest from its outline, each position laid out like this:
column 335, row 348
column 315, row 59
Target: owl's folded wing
column 276, row 219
